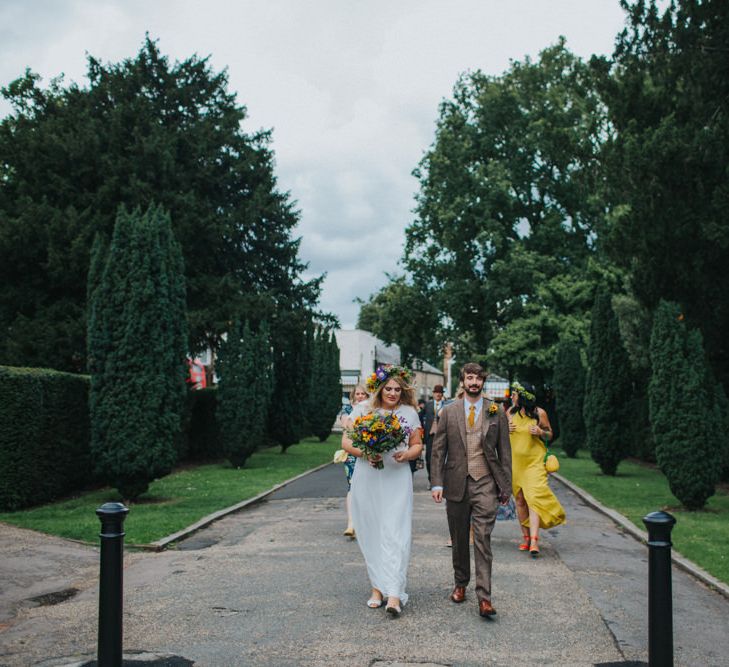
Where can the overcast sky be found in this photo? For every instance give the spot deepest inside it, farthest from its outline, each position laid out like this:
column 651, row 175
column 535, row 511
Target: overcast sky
column 350, row 88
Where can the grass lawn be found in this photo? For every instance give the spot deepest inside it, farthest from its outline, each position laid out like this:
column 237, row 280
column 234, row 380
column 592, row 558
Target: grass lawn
column 181, row 498
column 639, row 489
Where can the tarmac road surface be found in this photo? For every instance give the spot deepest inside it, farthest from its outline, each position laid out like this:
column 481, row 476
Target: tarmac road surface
column 278, row 584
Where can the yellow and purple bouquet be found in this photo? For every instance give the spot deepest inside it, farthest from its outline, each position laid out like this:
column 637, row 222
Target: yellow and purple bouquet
column 376, row 434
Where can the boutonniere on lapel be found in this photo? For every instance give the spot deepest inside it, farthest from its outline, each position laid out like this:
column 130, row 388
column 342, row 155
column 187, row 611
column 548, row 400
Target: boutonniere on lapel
column 493, row 409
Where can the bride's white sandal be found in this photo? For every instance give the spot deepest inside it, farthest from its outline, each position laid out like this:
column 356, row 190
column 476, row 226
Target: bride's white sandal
column 375, row 603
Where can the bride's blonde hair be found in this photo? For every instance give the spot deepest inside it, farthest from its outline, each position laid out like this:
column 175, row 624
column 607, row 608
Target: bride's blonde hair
column 407, row 397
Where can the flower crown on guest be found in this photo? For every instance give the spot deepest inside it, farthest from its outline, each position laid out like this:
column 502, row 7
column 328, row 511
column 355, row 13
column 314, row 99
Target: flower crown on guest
column 384, row 373
column 515, row 386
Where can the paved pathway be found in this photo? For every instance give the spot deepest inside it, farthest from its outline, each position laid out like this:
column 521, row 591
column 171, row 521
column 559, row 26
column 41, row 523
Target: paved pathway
column 279, row 585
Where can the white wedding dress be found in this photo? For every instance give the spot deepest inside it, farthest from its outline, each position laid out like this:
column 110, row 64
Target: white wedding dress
column 382, row 511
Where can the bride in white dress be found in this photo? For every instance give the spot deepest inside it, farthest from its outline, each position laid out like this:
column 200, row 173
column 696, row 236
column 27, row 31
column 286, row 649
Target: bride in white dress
column 382, row 500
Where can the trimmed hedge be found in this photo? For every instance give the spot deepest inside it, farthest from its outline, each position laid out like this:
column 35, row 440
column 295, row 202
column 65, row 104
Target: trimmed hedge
column 44, row 435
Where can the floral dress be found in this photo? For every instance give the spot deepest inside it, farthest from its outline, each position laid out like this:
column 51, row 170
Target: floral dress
column 349, row 463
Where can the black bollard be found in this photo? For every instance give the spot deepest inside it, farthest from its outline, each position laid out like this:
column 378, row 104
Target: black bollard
column 109, row 650
column 660, row 598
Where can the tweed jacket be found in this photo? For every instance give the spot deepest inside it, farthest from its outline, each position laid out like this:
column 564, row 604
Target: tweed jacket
column 449, row 463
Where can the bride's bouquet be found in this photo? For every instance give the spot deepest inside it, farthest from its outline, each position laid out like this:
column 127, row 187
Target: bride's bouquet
column 376, row 434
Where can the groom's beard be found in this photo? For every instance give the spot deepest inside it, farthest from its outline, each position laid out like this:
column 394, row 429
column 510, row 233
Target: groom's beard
column 473, row 392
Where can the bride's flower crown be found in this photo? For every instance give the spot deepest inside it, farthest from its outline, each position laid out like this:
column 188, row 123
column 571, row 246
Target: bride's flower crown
column 384, row 373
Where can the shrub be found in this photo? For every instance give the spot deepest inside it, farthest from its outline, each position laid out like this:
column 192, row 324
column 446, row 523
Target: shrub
column 44, row 435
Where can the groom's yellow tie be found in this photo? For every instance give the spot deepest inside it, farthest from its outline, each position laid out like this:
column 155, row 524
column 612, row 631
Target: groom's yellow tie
column 472, row 415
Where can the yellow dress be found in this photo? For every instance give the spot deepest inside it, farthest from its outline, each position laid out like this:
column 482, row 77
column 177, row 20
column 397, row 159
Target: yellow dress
column 528, row 473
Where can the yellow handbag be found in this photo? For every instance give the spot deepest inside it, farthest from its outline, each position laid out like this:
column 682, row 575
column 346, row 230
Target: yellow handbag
column 551, row 462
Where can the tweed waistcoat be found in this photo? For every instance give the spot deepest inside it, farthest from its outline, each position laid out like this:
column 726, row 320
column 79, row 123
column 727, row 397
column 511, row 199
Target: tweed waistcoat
column 477, row 467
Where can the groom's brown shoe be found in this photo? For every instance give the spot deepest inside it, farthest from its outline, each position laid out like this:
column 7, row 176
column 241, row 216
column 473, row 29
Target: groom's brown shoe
column 485, row 609
column 458, row 594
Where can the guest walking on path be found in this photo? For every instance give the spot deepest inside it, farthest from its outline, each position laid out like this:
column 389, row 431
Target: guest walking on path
column 536, row 505
column 382, row 487
column 357, row 395
column 430, row 422
column 471, row 469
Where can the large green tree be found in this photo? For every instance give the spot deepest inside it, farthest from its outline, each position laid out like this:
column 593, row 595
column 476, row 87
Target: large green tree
column 137, row 347
column 141, row 129
column 667, row 161
column 506, row 213
column 404, row 314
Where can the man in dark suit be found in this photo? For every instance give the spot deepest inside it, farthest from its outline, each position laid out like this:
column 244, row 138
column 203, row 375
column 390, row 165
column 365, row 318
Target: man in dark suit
column 430, row 421
column 471, row 469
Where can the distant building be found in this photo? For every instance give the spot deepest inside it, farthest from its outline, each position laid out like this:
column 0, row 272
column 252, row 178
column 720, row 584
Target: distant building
column 360, row 353
column 496, row 388
column 426, row 377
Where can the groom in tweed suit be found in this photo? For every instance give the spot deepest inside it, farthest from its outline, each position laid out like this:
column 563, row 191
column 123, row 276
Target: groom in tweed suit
column 471, row 469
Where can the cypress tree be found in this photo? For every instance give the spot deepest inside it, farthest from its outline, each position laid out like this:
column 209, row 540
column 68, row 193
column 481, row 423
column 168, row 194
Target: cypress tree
column 310, row 370
column 326, row 385
column 242, row 406
column 569, row 385
column 333, row 381
column 290, row 395
column 137, row 346
column 264, row 378
column 608, row 389
column 684, row 429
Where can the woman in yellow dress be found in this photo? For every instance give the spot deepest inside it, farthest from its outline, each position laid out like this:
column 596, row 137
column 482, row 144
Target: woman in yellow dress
column 536, row 505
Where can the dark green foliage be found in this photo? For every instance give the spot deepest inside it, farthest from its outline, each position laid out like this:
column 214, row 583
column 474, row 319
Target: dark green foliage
column 688, row 428
column 142, row 129
column 137, row 347
column 310, row 364
column 635, row 324
column 326, row 385
column 287, row 413
column 609, row 391
column 243, row 392
column 202, row 434
column 666, row 165
column 383, row 316
column 44, row 435
column 497, row 258
column 721, row 418
column 569, row 387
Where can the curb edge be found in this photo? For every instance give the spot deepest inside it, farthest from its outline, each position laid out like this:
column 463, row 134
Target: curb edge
column 163, row 543
column 681, row 561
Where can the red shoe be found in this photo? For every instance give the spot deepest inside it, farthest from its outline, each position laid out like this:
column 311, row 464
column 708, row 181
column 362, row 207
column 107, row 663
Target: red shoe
column 534, row 547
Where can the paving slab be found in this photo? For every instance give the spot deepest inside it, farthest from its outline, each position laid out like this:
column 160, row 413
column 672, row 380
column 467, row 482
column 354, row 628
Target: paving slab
column 277, row 584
